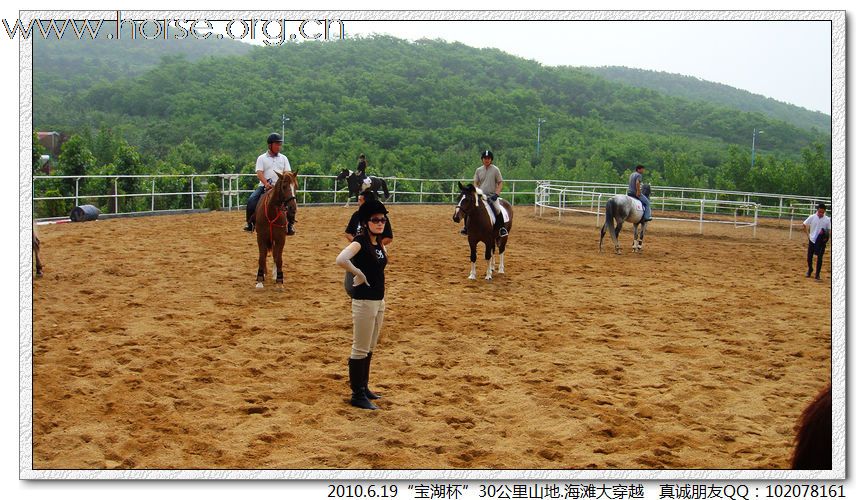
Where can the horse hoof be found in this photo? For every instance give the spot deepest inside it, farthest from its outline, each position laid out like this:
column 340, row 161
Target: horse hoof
column 259, row 285
column 472, row 277
column 489, row 278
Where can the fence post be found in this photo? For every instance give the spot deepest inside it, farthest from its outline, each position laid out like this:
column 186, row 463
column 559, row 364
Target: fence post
column 702, row 203
column 560, row 204
column 598, row 219
column 421, row 192
column 513, row 192
column 335, row 186
column 76, row 190
column 756, row 209
column 792, row 214
column 153, row 194
column 115, row 196
column 394, row 191
column 191, row 193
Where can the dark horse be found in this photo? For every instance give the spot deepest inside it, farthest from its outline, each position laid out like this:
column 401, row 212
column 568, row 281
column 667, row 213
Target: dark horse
column 480, row 227
column 624, row 208
column 356, row 185
column 36, row 244
column 275, row 210
column 814, row 434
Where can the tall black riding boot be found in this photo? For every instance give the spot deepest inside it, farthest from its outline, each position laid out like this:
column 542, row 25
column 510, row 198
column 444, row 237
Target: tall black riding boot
column 369, row 393
column 356, row 373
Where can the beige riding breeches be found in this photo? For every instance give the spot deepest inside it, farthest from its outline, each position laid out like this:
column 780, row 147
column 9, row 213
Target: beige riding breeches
column 367, row 316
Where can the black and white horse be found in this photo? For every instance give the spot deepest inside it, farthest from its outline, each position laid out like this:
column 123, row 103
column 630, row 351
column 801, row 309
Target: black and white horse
column 481, row 229
column 624, row 208
column 357, row 183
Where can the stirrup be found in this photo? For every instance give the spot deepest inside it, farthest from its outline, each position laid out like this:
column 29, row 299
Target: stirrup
column 249, row 227
column 464, row 232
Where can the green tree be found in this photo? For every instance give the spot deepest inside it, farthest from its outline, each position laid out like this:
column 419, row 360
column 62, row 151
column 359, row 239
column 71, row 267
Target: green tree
column 38, row 151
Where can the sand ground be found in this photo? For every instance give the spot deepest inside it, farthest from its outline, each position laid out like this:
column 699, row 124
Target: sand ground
column 152, row 348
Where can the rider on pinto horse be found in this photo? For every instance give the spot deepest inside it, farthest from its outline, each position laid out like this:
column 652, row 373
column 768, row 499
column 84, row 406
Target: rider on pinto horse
column 488, row 178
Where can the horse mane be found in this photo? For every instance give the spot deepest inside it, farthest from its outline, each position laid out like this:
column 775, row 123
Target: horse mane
column 813, row 449
column 472, row 189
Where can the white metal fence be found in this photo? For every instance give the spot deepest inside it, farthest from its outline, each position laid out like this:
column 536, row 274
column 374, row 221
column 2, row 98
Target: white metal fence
column 55, row 196
column 740, row 209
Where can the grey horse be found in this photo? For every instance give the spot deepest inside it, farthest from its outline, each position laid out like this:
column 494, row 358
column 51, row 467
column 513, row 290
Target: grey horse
column 624, row 208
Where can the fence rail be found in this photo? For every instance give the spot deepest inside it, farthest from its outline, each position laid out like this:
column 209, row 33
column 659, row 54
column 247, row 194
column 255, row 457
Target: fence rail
column 55, row 196
column 565, row 199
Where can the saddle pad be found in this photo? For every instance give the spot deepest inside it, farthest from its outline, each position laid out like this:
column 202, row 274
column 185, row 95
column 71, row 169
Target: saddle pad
column 492, row 212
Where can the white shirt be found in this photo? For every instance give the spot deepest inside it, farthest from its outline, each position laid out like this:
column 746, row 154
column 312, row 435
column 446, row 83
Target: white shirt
column 816, row 223
column 270, row 165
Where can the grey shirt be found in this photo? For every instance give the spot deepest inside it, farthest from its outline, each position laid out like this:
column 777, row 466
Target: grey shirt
column 487, row 178
column 632, row 183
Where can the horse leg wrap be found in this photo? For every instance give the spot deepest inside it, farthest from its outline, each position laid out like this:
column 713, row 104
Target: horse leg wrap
column 260, row 275
column 279, row 277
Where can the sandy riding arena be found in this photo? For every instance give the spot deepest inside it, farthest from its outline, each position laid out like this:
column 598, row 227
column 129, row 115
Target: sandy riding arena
column 152, row 349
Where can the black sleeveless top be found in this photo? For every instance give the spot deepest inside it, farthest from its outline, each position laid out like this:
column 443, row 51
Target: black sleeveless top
column 372, row 260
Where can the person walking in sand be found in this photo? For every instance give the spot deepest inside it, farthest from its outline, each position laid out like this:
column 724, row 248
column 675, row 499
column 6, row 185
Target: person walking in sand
column 817, row 226
column 365, row 258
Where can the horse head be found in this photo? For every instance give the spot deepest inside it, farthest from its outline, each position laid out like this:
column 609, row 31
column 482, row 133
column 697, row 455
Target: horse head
column 343, row 174
column 285, row 193
column 646, row 189
column 469, row 200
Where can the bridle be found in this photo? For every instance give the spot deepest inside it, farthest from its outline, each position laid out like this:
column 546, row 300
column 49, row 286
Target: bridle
column 459, row 206
column 282, row 210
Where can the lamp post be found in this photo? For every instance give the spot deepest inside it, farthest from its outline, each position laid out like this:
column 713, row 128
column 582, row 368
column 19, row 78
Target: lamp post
column 284, row 119
column 539, row 135
column 753, row 145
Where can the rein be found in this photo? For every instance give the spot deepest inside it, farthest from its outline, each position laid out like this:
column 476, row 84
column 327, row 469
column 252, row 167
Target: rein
column 281, row 211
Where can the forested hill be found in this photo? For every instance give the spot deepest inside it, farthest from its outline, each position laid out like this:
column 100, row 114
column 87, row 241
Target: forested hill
column 693, row 88
column 70, row 66
column 422, row 109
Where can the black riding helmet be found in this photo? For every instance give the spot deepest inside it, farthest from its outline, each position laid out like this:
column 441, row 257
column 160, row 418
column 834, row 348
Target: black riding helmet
column 274, row 137
column 370, row 208
column 487, row 154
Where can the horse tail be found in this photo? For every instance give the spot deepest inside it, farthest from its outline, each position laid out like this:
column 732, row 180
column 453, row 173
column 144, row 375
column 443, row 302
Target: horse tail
column 384, row 188
column 608, row 222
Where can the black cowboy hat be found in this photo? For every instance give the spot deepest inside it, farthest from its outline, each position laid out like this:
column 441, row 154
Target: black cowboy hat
column 370, row 208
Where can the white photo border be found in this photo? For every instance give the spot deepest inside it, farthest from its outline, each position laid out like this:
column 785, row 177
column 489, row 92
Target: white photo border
column 839, row 267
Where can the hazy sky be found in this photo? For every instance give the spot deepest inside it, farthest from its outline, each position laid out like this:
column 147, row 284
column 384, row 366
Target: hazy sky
column 786, row 60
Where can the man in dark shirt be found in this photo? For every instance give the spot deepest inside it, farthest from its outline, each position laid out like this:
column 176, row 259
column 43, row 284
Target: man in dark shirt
column 635, row 190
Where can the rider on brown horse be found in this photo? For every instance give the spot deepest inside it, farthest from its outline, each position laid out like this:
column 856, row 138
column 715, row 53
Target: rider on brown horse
column 268, row 164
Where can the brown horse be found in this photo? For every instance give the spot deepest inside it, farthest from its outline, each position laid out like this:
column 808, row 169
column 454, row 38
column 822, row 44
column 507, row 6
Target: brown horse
column 274, row 212
column 36, row 244
column 480, row 228
column 814, row 434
